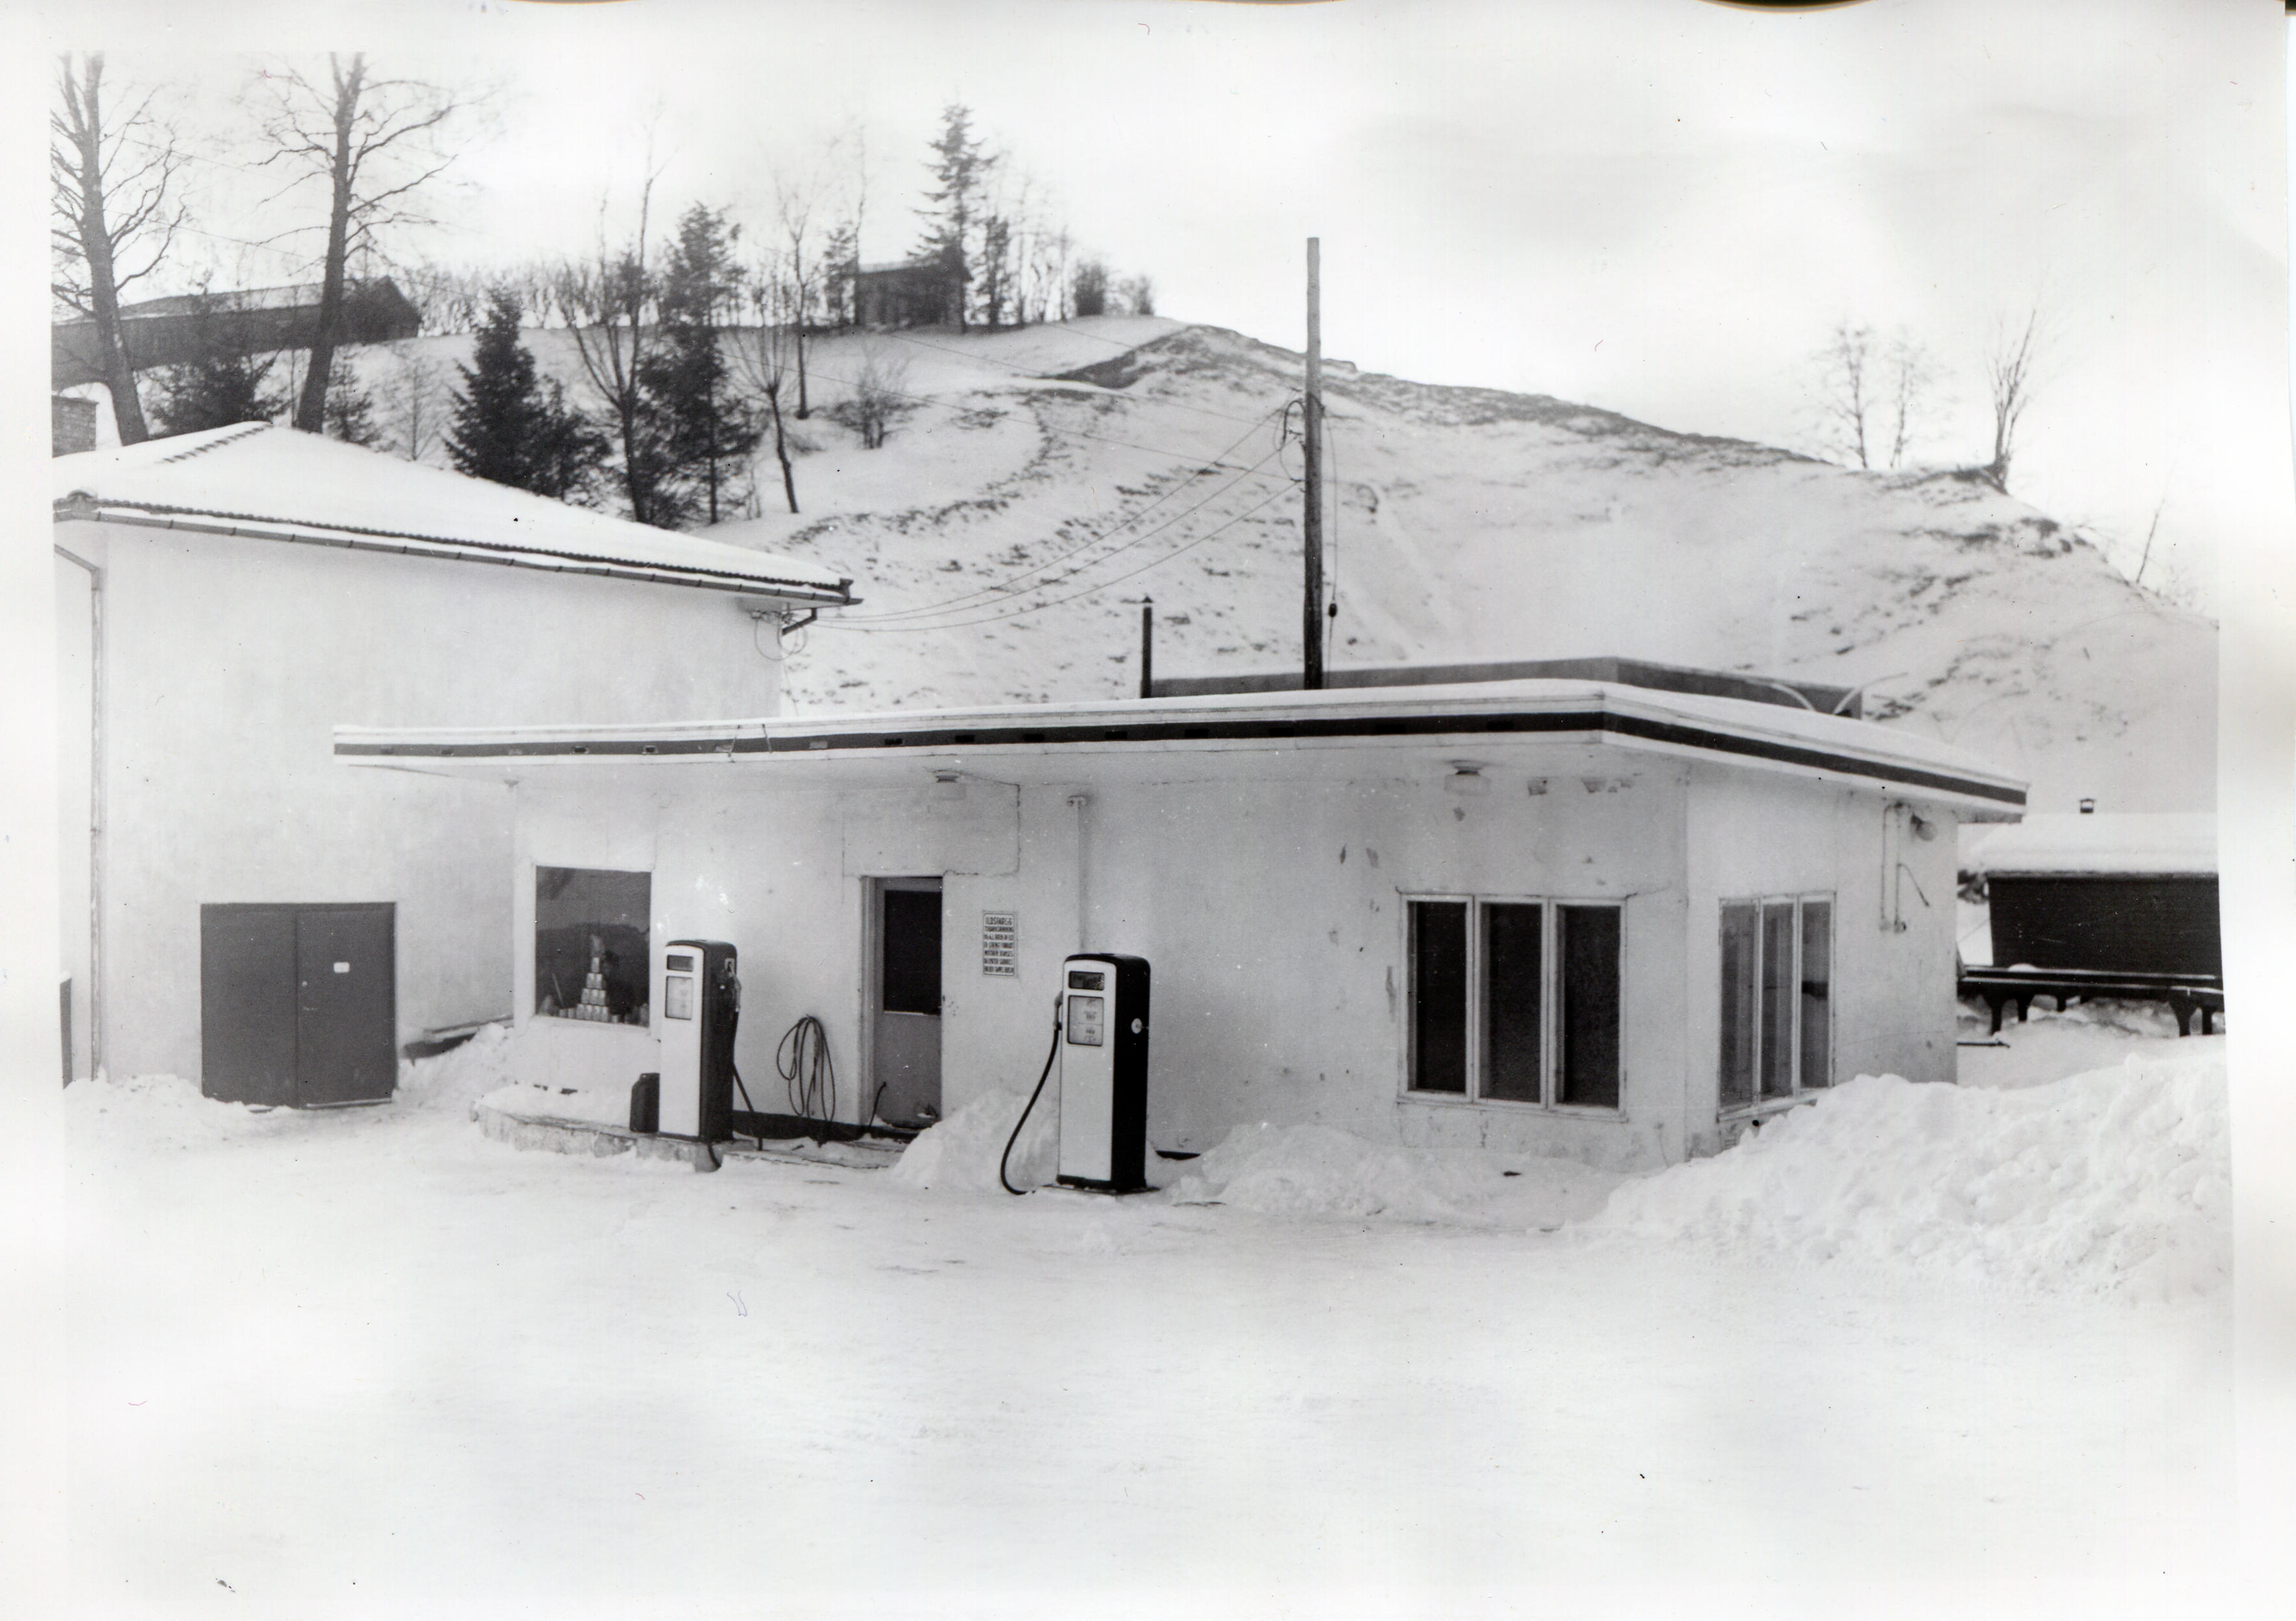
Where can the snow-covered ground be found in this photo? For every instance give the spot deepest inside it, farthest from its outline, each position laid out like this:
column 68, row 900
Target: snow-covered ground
column 372, row 1362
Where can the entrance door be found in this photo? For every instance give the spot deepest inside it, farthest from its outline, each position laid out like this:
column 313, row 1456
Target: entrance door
column 905, row 1048
column 298, row 1004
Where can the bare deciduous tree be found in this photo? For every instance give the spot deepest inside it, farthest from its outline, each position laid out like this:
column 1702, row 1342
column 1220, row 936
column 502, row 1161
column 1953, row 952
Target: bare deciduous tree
column 112, row 182
column 608, row 301
column 414, row 401
column 1846, row 388
column 2011, row 365
column 793, row 276
column 451, row 299
column 1912, row 384
column 880, row 397
column 373, row 143
column 762, row 354
column 1872, row 397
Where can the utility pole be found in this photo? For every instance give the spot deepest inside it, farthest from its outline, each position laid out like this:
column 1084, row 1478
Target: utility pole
column 1147, row 647
column 1311, row 418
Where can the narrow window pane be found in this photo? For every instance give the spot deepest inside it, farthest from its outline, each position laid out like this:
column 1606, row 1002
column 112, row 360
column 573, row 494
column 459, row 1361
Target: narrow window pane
column 1438, row 996
column 1510, row 990
column 1817, row 992
column 1586, row 943
column 909, row 976
column 1739, row 955
column 1778, row 998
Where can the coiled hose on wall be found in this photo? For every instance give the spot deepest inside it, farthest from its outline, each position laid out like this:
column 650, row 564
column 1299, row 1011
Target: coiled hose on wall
column 807, row 1070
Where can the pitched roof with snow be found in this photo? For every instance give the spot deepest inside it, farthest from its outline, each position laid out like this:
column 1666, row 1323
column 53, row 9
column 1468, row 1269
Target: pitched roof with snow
column 1051, row 741
column 2129, row 844
column 261, row 482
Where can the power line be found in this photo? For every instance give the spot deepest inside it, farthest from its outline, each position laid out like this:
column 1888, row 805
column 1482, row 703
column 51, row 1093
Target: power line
column 931, row 403
column 1086, row 545
column 876, row 621
column 1088, row 591
column 1019, row 371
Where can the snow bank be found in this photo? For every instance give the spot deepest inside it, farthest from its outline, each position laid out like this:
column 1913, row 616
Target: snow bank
column 962, row 1152
column 461, row 1076
column 2087, row 1035
column 1312, row 1171
column 2114, row 1181
column 1316, row 1170
column 151, row 1111
column 1319, row 1171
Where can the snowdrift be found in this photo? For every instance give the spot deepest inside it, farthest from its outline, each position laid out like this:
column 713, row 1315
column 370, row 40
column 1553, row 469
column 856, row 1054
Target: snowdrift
column 460, row 1075
column 962, row 1153
column 2112, row 1183
column 1298, row 1171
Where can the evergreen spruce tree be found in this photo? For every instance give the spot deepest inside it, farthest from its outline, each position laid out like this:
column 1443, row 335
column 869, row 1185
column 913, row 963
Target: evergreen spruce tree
column 1089, row 293
column 960, row 169
column 351, row 409
column 708, row 429
column 511, row 426
column 226, row 385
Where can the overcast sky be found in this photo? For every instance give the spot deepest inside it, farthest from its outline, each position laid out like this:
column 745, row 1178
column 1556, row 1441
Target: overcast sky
column 1657, row 206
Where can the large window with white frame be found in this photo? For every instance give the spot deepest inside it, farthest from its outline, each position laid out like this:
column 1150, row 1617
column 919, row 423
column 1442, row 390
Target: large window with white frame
column 1515, row 1001
column 1778, row 998
column 592, row 957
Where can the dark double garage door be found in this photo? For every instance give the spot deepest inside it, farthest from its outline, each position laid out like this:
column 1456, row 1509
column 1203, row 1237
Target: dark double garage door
column 298, row 1004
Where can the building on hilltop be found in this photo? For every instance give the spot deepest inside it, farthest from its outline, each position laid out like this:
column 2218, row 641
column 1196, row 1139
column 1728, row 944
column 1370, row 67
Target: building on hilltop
column 259, row 321
column 237, row 908
column 911, row 292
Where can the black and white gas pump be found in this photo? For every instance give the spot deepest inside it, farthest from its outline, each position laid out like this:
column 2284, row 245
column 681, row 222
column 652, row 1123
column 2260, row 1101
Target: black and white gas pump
column 1104, row 1047
column 1100, row 1040
column 701, row 1009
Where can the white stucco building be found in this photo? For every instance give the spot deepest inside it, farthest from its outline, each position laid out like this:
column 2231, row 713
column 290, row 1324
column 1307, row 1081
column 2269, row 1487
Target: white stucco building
column 1566, row 916
column 223, row 600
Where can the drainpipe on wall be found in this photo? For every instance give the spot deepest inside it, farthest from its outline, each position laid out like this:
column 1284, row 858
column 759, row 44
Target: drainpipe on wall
column 1079, row 803
column 96, row 810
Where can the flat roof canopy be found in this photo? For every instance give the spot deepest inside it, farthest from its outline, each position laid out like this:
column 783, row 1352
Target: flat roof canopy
column 1530, row 725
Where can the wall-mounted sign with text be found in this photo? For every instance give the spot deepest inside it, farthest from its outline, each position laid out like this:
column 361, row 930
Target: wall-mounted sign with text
column 1000, row 943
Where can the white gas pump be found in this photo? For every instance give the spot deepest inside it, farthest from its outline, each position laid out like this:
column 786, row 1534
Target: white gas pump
column 1104, row 1048
column 701, row 1009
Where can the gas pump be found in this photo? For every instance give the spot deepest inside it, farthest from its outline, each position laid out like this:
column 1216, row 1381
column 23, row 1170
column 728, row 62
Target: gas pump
column 700, row 1008
column 1104, row 1047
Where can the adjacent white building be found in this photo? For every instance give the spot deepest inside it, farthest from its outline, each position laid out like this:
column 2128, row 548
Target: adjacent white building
column 223, row 599
column 1571, row 917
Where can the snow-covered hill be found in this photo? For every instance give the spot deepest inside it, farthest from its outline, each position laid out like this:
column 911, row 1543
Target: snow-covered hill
column 1068, row 469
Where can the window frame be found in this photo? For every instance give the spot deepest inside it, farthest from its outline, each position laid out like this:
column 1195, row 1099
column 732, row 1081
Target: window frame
column 648, row 968
column 1550, row 1002
column 1758, row 1101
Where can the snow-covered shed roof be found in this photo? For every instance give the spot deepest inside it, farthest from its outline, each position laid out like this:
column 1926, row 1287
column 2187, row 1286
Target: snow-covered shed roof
column 257, row 481
column 2126, row 844
column 1478, row 726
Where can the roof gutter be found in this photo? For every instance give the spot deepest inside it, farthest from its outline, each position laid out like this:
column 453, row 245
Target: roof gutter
column 84, row 509
column 940, row 734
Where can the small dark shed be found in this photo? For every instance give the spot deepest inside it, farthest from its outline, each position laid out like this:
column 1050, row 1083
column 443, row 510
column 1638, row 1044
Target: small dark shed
column 2119, row 894
column 170, row 332
column 913, row 293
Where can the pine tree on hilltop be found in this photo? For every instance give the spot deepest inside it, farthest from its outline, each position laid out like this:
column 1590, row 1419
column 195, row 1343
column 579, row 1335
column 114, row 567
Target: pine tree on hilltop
column 224, row 385
column 511, row 426
column 350, row 411
column 960, row 169
column 709, row 430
